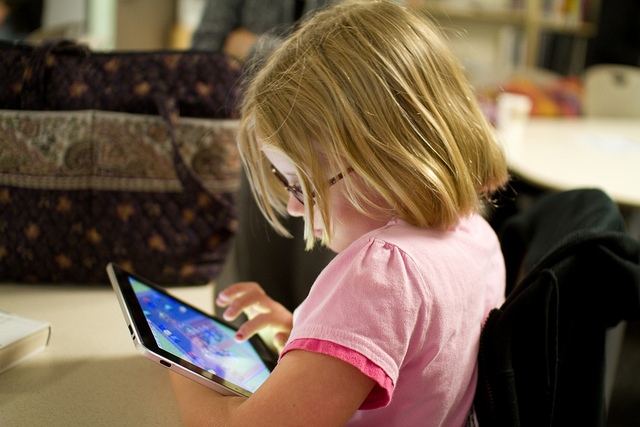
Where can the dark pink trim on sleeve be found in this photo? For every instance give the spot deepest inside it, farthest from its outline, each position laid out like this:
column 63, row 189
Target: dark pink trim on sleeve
column 383, row 390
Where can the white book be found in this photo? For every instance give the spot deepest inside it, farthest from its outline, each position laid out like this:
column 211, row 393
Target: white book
column 20, row 339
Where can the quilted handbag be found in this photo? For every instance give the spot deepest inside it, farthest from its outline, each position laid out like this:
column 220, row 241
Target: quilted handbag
column 124, row 157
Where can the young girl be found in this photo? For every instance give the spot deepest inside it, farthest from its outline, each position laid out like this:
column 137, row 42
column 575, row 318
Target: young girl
column 363, row 124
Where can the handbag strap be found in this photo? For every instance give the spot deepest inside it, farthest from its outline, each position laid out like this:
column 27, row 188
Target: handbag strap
column 33, row 80
column 168, row 110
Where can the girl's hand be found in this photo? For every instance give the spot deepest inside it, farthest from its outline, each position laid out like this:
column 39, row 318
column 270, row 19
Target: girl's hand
column 239, row 43
column 268, row 318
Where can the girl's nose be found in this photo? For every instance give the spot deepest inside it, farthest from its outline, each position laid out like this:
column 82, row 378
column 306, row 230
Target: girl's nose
column 294, row 207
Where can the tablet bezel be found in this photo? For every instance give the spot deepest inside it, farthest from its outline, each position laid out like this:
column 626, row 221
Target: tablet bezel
column 146, row 344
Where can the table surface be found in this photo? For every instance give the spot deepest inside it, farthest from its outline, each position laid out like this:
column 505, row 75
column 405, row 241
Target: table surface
column 91, row 373
column 568, row 153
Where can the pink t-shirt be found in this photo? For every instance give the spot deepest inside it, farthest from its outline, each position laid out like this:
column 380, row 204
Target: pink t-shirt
column 405, row 305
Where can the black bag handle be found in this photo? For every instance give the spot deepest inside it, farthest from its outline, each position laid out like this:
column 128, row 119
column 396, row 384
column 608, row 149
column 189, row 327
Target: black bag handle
column 33, row 80
column 168, row 110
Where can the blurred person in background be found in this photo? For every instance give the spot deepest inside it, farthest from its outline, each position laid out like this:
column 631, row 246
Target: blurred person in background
column 19, row 18
column 249, row 30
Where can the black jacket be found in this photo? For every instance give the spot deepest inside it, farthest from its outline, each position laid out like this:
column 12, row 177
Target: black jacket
column 542, row 353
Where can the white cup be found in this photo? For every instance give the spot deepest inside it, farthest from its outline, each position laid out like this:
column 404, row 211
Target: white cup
column 512, row 117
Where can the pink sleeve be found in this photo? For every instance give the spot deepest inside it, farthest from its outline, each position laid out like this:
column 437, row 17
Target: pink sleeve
column 383, row 390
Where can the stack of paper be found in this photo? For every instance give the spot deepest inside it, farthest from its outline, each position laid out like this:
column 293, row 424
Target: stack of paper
column 20, row 339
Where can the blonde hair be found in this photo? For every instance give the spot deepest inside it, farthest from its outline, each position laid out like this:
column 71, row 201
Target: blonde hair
column 371, row 86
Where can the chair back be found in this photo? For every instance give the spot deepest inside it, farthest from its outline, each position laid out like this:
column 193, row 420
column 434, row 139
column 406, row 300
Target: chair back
column 542, row 353
column 612, row 90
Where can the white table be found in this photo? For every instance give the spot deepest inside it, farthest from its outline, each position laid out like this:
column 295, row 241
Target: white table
column 568, row 153
column 91, row 374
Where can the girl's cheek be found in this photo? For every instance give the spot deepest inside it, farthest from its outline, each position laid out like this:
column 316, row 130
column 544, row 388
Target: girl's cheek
column 294, row 207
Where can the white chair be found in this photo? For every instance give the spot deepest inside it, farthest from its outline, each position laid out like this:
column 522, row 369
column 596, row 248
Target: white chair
column 612, row 90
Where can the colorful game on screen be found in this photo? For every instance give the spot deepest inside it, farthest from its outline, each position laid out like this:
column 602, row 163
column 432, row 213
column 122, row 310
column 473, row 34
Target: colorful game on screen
column 200, row 340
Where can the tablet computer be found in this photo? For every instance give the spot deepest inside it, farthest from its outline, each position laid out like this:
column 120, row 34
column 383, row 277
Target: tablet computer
column 187, row 340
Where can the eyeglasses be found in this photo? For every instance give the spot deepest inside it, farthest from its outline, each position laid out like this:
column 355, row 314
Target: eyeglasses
column 296, row 190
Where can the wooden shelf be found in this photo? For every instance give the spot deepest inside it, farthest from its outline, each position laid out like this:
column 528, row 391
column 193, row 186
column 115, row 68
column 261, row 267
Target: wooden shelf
column 475, row 14
column 529, row 19
column 582, row 29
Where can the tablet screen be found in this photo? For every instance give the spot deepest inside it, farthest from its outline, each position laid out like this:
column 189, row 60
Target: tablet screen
column 199, row 339
column 189, row 341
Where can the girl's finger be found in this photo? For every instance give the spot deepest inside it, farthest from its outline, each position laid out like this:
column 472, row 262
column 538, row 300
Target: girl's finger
column 277, row 323
column 252, row 303
column 235, row 291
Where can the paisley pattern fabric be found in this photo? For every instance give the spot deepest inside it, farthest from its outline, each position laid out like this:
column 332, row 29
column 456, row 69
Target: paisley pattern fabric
column 99, row 163
column 113, row 151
